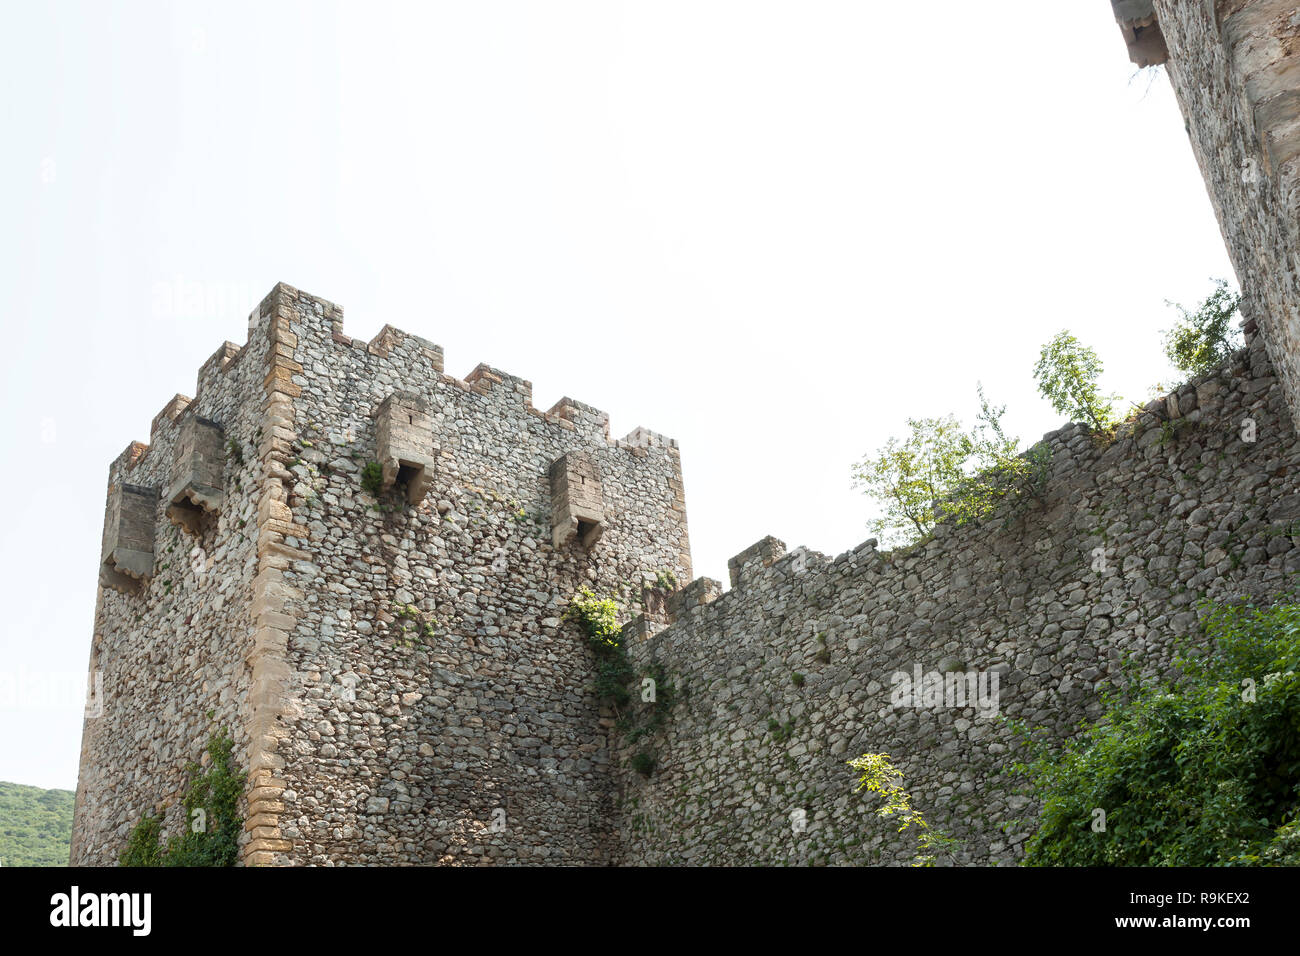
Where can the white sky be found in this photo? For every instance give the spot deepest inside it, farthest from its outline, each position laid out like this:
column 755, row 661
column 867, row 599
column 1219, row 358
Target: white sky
column 770, row 230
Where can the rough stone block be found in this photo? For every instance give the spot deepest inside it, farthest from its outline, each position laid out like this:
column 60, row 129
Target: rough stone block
column 761, row 554
column 577, row 499
column 404, row 435
column 127, row 556
column 198, row 472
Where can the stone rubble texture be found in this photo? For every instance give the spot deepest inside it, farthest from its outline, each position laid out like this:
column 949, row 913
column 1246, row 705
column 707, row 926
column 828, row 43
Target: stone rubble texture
column 403, row 686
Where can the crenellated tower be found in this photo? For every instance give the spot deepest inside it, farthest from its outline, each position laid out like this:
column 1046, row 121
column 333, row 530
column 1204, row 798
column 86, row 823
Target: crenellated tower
column 359, row 565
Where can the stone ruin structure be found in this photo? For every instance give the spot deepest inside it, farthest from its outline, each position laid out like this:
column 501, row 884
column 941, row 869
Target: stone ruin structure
column 360, row 566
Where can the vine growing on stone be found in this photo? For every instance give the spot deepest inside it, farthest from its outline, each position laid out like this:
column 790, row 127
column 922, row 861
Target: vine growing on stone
column 211, row 815
column 615, row 674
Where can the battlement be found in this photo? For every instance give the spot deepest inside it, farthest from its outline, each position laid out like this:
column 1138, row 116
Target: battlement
column 314, row 315
column 325, row 319
column 1197, row 404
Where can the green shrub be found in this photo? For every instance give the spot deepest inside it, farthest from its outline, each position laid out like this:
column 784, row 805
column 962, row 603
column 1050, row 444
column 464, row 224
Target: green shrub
column 599, row 619
column 142, row 846
column 644, row 762
column 1067, row 373
column 372, row 478
column 212, row 820
column 1200, row 771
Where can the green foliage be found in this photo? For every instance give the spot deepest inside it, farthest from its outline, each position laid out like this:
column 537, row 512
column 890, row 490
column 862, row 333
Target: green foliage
column 942, row 471
column 666, row 580
column 599, row 619
column 878, row 774
column 780, row 732
column 144, row 846
column 907, row 478
column 598, row 616
column 372, row 477
column 211, row 816
column 644, row 762
column 1200, row 341
column 235, row 452
column 1067, row 372
column 657, row 710
column 797, row 679
column 1191, row 772
column 35, row 825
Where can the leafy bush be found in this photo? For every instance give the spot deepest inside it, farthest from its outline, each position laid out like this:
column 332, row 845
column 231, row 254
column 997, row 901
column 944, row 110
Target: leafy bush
column 643, row 762
column 143, row 846
column 942, row 471
column 1203, row 339
column 599, row 619
column 1201, row 771
column 372, row 478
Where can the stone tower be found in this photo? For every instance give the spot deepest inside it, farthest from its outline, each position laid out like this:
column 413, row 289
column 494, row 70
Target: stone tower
column 358, row 565
column 1235, row 68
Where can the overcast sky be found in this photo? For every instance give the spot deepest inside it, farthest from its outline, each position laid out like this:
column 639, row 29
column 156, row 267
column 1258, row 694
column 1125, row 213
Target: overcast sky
column 770, row 230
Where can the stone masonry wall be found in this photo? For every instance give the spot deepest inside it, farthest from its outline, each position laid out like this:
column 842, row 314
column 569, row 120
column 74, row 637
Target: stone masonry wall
column 1235, row 67
column 788, row 675
column 171, row 658
column 443, row 710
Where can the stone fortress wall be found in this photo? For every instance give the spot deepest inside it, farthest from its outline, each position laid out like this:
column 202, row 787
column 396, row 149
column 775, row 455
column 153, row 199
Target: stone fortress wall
column 787, row 675
column 172, row 626
column 387, row 647
column 392, row 663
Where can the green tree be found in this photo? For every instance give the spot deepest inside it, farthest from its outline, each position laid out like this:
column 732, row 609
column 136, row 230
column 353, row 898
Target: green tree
column 35, row 825
column 908, row 478
column 940, row 471
column 1067, row 372
column 1200, row 771
column 1202, row 340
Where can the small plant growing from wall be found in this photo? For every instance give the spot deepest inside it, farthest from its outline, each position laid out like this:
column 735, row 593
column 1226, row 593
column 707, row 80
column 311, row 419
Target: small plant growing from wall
column 415, row 627
column 614, row 673
column 823, row 652
column 878, row 774
column 599, row 620
column 644, row 762
column 372, row 478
